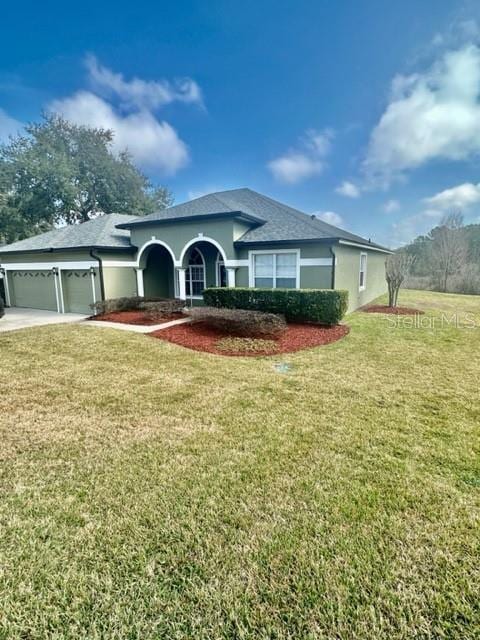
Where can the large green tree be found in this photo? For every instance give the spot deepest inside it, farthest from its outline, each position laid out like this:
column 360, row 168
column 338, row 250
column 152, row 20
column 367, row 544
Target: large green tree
column 59, row 172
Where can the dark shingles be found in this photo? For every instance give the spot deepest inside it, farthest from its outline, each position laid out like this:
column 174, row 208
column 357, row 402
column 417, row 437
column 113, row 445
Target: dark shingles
column 100, row 232
column 281, row 222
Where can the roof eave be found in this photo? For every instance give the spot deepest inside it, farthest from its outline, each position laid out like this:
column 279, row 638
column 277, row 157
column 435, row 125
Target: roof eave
column 327, row 240
column 130, row 249
column 366, row 245
column 248, row 243
column 239, row 215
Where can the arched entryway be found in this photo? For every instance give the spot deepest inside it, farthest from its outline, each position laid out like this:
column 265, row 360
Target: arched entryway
column 203, row 264
column 158, row 272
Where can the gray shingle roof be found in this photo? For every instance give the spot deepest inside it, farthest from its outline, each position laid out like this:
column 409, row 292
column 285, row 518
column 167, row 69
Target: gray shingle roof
column 277, row 222
column 100, row 232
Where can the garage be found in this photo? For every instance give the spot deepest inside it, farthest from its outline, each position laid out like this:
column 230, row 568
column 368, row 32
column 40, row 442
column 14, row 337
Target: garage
column 77, row 291
column 33, row 289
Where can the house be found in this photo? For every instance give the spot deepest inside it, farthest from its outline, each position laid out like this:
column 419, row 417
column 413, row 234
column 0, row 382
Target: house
column 230, row 238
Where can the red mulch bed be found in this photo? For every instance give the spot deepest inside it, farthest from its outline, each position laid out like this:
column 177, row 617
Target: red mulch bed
column 134, row 317
column 297, row 336
column 398, row 311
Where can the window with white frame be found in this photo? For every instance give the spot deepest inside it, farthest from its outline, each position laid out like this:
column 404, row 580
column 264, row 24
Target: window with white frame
column 195, row 274
column 362, row 277
column 275, row 270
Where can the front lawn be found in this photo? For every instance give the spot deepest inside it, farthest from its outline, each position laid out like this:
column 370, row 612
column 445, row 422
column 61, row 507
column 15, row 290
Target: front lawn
column 149, row 491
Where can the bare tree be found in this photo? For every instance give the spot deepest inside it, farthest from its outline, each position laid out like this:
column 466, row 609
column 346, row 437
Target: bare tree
column 449, row 250
column 397, row 267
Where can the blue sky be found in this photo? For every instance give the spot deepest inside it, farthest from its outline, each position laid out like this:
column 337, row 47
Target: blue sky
column 367, row 113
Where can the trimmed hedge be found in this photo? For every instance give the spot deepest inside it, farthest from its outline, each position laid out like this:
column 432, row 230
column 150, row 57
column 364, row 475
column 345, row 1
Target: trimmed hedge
column 240, row 322
column 323, row 306
column 162, row 308
column 159, row 306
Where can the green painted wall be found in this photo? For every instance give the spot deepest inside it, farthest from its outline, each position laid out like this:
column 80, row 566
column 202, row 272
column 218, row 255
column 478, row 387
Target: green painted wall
column 209, row 253
column 315, row 277
column 311, row 277
column 306, row 250
column 176, row 235
column 241, row 277
column 158, row 274
column 347, row 275
column 49, row 257
column 123, row 256
column 119, row 282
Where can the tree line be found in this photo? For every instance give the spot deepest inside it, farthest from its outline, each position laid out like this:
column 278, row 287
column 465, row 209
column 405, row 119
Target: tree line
column 446, row 259
column 58, row 173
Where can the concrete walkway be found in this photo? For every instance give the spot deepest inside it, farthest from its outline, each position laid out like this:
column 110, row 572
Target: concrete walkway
column 17, row 318
column 136, row 327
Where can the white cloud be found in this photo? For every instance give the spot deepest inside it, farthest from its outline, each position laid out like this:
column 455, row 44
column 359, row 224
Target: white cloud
column 8, row 126
column 408, row 228
column 294, row 167
column 459, row 32
column 460, row 197
column 331, row 217
column 152, row 143
column 348, row 189
column 143, row 94
column 391, row 206
column 435, row 114
column 304, row 162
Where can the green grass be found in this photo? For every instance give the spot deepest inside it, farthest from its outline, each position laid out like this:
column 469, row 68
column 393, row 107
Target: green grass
column 149, row 492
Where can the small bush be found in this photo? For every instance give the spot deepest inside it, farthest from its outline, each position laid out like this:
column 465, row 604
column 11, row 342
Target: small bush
column 240, row 322
column 246, row 345
column 117, row 304
column 2, row 307
column 323, row 306
column 162, row 308
column 165, row 306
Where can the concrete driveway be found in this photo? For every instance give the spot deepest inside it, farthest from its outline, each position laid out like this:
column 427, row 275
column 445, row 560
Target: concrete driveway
column 16, row 318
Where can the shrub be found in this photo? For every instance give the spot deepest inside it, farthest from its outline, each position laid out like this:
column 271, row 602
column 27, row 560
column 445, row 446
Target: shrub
column 323, row 306
column 240, row 322
column 165, row 306
column 2, row 307
column 161, row 308
column 117, row 304
column 246, row 345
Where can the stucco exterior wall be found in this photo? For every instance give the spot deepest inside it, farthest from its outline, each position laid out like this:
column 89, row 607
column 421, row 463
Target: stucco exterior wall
column 119, row 282
column 122, row 280
column 310, row 250
column 47, row 257
column 347, row 272
column 178, row 234
column 311, row 276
